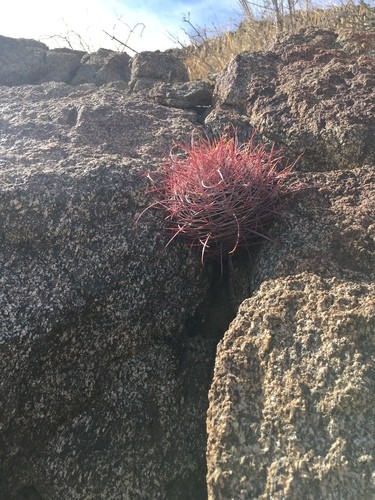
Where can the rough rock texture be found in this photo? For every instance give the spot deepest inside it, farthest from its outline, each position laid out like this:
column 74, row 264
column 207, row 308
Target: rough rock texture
column 328, row 229
column 62, row 65
column 21, row 61
column 310, row 94
column 196, row 94
column 25, row 61
column 292, row 400
column 107, row 341
column 103, row 375
column 150, row 68
column 358, row 42
column 103, row 67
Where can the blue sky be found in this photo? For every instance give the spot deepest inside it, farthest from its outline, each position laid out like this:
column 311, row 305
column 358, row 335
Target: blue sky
column 56, row 22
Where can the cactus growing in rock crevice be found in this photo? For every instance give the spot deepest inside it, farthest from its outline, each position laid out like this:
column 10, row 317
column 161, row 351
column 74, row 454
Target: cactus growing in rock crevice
column 220, row 195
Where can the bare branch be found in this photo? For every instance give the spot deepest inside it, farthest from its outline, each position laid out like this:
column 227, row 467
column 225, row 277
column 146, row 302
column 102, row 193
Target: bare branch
column 112, row 37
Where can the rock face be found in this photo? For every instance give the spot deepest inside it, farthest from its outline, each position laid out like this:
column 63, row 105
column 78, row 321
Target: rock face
column 309, row 94
column 183, row 95
column 107, row 339
column 290, row 404
column 150, row 68
column 103, row 382
column 291, row 401
column 21, row 61
column 102, row 67
column 61, row 65
column 25, row 61
column 329, row 229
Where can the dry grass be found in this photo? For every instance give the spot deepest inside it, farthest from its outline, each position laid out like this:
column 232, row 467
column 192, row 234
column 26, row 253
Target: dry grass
column 210, row 54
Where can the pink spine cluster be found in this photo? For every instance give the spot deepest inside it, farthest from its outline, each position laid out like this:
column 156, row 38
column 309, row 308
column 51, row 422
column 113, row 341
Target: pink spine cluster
column 219, row 195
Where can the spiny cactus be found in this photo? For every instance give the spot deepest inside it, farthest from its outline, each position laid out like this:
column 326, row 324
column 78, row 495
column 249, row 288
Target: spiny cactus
column 220, row 195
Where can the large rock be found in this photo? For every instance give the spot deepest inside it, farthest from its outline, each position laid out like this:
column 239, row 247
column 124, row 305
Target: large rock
column 21, row 61
column 291, row 404
column 104, row 374
column 107, row 339
column 62, row 65
column 25, row 61
column 328, row 229
column 103, row 66
column 150, row 68
column 291, row 401
column 186, row 95
column 309, row 94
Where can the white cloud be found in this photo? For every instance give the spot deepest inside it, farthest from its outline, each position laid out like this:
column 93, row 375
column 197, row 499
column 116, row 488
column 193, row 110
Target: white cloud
column 40, row 19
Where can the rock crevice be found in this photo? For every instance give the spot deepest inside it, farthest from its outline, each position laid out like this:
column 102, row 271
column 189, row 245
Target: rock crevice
column 108, row 340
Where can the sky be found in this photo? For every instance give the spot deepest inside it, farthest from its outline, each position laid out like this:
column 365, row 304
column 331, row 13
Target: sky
column 141, row 24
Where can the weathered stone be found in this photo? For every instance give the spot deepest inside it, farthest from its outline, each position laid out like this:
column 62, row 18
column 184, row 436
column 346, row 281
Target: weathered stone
column 22, row 61
column 292, row 391
column 291, row 404
column 102, row 67
column 103, row 382
column 310, row 38
column 291, row 401
column 309, row 95
column 328, row 229
column 219, row 119
column 183, row 95
column 62, row 65
column 149, row 68
column 107, row 339
column 358, row 42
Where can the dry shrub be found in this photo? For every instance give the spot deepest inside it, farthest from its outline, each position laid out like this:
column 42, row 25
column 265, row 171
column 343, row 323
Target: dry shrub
column 213, row 53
